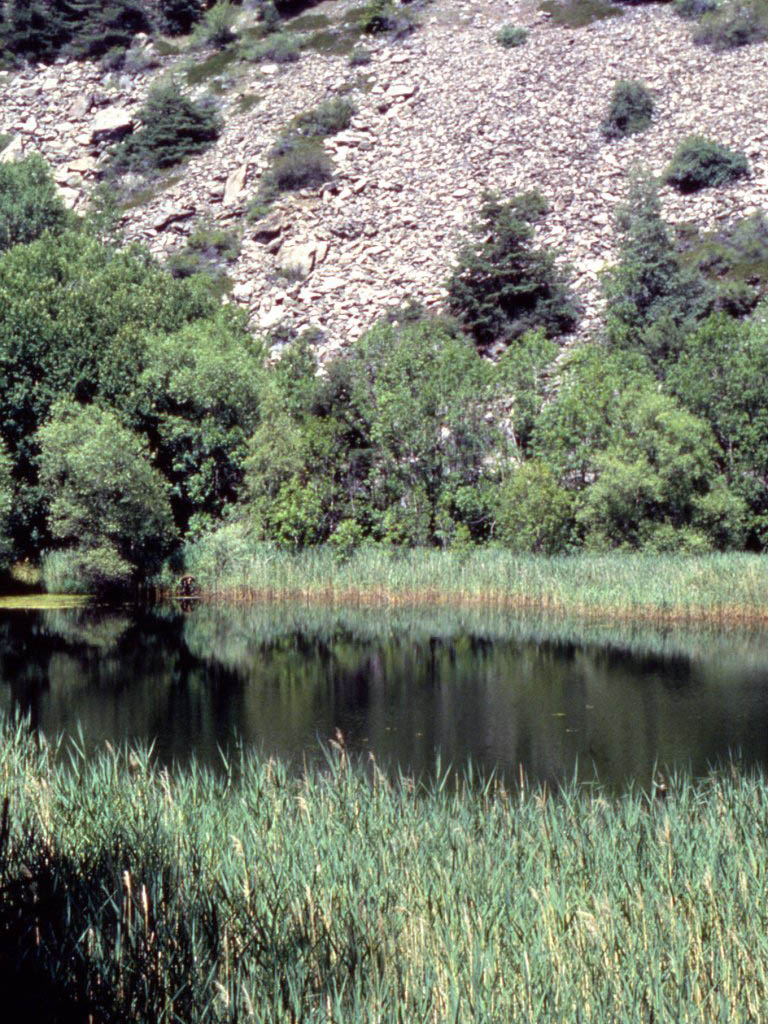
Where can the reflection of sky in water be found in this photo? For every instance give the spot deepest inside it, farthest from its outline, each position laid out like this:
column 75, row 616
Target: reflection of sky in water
column 502, row 691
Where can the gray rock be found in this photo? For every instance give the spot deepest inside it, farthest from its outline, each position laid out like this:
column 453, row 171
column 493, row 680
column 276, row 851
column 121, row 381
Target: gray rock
column 111, row 125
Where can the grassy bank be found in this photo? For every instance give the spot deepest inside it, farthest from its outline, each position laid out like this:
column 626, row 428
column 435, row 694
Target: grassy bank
column 718, row 587
column 131, row 894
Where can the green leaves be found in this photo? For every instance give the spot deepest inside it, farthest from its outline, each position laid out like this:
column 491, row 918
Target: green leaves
column 651, row 301
column 502, row 286
column 105, row 495
column 29, row 204
column 173, row 128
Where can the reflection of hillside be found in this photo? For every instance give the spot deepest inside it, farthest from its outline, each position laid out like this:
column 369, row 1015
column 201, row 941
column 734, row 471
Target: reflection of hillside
column 499, row 690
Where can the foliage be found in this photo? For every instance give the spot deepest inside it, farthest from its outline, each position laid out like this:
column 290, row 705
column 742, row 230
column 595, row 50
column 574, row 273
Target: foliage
column 178, row 16
column 72, row 317
column 44, row 29
column 694, row 9
column 393, row 439
column 651, row 299
column 173, row 128
column 510, row 36
column 217, row 26
column 384, row 17
column 734, row 258
column 198, row 397
column 29, row 203
column 523, row 378
column 660, row 470
column 533, row 512
column 208, row 250
column 700, row 163
column 258, row 892
column 733, row 23
column 630, row 110
column 106, row 498
column 579, row 13
column 277, row 48
column 6, row 506
column 328, row 118
column 637, row 459
column 502, row 286
column 720, row 376
column 360, row 58
column 296, row 164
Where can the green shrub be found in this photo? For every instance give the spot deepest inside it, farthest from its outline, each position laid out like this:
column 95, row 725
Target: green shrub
column 533, row 512
column 178, row 16
column 217, row 27
column 174, row 127
column 734, row 258
column 694, row 9
column 29, row 204
column 44, row 29
column 302, row 164
column 106, row 496
column 278, row 48
column 208, row 251
column 652, row 300
column 510, row 36
column 733, row 24
column 502, row 286
column 381, row 17
column 630, row 110
column 700, row 163
column 327, row 119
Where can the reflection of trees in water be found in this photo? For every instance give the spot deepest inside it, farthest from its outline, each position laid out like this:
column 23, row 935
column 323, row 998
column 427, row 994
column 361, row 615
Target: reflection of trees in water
column 87, row 627
column 402, row 686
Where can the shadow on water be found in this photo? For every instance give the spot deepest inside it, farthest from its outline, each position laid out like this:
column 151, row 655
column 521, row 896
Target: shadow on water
column 560, row 699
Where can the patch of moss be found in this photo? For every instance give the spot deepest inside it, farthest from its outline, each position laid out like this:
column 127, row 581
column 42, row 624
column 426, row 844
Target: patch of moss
column 215, row 65
column 247, row 101
column 309, row 23
column 334, row 42
column 578, row 13
column 165, row 48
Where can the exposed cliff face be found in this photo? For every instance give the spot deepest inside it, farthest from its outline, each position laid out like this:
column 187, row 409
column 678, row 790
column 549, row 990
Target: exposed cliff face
column 443, row 115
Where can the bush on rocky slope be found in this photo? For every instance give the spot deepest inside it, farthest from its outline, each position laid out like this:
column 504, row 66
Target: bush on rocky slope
column 29, row 204
column 502, row 286
column 174, row 127
column 630, row 110
column 701, row 163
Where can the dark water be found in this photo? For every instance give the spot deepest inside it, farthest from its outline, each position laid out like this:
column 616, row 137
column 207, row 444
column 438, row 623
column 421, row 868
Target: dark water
column 550, row 696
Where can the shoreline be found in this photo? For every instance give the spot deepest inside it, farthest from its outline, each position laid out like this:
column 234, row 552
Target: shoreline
column 725, row 589
column 430, row 598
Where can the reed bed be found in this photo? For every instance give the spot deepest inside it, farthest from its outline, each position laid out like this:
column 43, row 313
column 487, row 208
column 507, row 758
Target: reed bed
column 343, row 895
column 673, row 588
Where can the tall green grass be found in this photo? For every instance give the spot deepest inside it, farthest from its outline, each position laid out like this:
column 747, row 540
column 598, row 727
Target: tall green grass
column 717, row 586
column 342, row 896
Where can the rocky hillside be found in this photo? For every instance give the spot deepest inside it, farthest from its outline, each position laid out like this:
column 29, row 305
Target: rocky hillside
column 442, row 115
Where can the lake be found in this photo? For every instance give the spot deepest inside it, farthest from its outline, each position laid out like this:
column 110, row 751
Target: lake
column 555, row 697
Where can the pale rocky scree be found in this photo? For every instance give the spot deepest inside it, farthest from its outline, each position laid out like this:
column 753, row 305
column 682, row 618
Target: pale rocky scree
column 442, row 116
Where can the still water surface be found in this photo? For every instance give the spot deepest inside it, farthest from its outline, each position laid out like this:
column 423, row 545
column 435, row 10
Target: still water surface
column 554, row 697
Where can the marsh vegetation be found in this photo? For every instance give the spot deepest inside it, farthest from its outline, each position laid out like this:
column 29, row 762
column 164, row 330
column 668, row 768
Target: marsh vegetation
column 340, row 894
